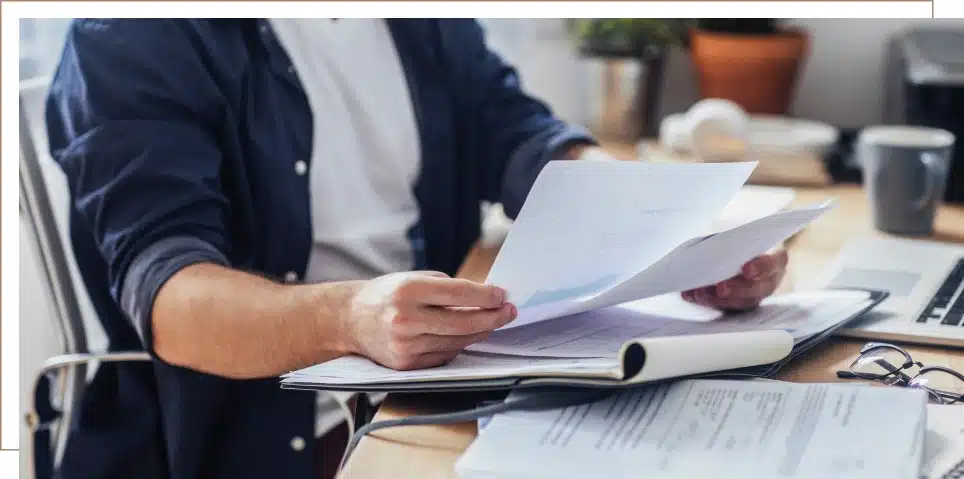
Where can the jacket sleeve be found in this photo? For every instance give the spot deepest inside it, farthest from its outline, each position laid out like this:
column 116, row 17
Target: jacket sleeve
column 130, row 116
column 516, row 133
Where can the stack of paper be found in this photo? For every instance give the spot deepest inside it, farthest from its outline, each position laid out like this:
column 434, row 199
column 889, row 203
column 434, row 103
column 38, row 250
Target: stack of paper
column 711, row 428
column 597, row 234
column 625, row 344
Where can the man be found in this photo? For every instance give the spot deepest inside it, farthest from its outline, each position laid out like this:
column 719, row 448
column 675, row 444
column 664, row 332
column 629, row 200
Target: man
column 255, row 196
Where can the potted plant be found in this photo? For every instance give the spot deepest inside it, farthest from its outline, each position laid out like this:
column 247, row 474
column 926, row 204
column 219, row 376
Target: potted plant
column 617, row 41
column 754, row 62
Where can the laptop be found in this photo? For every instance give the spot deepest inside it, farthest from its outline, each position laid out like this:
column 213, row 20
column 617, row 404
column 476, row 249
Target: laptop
column 925, row 280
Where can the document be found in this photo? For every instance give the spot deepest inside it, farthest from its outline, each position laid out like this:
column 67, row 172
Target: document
column 467, row 366
column 708, row 260
column 603, row 332
column 711, row 428
column 631, row 343
column 586, row 225
column 752, row 202
column 944, row 442
column 597, row 234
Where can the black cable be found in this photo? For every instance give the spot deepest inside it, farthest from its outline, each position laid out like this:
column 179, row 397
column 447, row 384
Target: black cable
column 533, row 400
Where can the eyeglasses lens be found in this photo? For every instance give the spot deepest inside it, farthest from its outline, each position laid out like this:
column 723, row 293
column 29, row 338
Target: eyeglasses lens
column 949, row 387
column 878, row 362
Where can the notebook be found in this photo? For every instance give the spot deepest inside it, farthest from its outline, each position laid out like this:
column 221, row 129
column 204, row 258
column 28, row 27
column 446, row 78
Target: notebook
column 710, row 428
column 618, row 346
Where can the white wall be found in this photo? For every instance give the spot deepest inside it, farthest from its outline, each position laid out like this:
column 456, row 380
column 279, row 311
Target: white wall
column 546, row 58
column 842, row 83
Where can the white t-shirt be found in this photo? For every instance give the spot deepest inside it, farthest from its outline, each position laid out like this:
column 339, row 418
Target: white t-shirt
column 365, row 152
column 365, row 156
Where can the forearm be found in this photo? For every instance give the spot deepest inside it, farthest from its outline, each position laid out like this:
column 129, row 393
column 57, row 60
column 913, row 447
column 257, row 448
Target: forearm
column 226, row 322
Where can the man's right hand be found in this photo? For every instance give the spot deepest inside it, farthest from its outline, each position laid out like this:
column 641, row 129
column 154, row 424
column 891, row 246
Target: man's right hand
column 417, row 320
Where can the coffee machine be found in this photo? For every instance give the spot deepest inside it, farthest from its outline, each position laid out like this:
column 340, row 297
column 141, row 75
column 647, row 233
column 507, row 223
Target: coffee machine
column 925, row 87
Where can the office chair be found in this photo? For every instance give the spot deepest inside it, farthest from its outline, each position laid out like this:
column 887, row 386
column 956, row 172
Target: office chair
column 47, row 423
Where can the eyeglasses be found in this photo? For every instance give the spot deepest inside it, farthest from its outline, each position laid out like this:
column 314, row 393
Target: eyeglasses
column 886, row 362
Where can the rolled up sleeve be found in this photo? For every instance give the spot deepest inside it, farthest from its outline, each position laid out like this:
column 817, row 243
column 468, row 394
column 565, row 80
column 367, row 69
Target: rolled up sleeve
column 517, row 134
column 131, row 117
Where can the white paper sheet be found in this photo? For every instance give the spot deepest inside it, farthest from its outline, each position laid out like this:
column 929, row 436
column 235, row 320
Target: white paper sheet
column 944, row 441
column 719, row 429
column 596, row 234
column 708, row 260
column 588, row 225
column 751, row 203
column 601, row 333
column 358, row 370
column 588, row 344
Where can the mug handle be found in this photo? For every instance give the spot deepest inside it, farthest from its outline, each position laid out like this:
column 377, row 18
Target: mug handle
column 932, row 162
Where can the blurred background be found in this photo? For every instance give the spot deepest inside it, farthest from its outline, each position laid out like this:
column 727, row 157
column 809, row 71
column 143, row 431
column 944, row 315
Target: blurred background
column 842, row 83
column 810, row 82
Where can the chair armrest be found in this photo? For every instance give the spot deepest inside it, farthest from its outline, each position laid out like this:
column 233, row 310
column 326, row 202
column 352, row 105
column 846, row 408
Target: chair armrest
column 57, row 363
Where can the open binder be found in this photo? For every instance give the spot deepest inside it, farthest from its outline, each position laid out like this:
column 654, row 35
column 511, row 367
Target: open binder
column 752, row 344
column 640, row 233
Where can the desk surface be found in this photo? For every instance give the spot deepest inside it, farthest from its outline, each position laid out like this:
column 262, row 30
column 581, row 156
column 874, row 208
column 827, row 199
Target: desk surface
column 427, row 452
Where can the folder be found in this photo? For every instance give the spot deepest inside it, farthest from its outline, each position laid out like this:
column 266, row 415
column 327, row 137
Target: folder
column 585, row 350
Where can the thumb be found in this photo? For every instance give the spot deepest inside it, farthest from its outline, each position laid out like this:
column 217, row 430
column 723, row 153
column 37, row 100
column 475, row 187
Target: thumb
column 436, row 274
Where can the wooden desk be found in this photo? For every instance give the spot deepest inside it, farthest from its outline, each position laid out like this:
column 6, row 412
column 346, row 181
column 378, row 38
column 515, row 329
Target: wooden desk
column 427, row 452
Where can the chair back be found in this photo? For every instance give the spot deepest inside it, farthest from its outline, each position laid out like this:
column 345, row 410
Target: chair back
column 44, row 208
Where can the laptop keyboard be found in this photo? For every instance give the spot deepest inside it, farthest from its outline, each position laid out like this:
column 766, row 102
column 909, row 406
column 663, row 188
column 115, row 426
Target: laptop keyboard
column 947, row 306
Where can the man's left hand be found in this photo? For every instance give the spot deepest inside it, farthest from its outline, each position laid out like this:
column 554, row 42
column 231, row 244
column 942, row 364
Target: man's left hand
column 758, row 279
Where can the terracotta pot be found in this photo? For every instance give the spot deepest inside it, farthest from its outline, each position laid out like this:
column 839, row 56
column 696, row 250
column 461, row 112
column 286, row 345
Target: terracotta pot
column 758, row 72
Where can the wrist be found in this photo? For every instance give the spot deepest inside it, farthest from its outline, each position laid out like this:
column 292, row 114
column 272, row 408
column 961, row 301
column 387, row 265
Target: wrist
column 330, row 316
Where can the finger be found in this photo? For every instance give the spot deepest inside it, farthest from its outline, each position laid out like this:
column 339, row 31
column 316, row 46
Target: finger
column 736, row 305
column 438, row 291
column 431, row 360
column 423, row 361
column 436, row 274
column 765, row 265
column 708, row 297
column 742, row 288
column 448, row 322
column 734, row 294
column 431, row 343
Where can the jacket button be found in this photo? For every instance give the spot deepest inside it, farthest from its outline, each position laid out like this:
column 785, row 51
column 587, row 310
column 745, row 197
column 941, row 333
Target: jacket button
column 301, row 167
column 291, row 277
column 297, row 444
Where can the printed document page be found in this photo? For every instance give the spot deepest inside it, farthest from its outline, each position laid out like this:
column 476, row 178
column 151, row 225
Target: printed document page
column 711, row 428
column 603, row 332
column 708, row 260
column 586, row 226
column 353, row 370
column 752, row 202
column 944, row 441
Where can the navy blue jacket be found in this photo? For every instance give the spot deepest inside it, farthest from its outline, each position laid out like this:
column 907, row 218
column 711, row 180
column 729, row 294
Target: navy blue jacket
column 179, row 140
